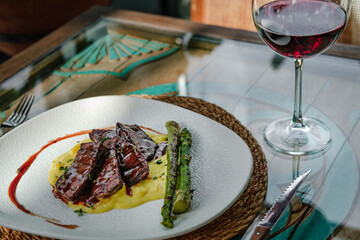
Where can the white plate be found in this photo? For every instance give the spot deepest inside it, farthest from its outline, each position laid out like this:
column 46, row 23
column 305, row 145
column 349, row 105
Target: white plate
column 221, row 168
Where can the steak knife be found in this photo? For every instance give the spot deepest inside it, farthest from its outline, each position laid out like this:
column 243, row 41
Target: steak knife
column 264, row 227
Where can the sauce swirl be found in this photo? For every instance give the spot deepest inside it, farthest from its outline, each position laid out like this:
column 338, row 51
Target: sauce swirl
column 23, row 169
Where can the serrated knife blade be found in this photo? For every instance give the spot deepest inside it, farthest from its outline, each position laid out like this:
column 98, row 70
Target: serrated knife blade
column 264, row 227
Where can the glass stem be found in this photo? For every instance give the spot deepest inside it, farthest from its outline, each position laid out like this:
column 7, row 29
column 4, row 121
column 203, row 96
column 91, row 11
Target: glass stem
column 297, row 120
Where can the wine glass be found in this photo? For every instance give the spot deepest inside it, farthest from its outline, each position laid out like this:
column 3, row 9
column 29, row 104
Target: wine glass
column 299, row 29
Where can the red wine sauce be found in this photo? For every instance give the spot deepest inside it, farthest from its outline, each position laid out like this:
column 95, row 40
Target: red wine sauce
column 22, row 170
column 129, row 191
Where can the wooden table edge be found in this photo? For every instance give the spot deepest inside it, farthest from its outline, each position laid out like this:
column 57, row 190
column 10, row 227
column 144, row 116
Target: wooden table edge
column 63, row 33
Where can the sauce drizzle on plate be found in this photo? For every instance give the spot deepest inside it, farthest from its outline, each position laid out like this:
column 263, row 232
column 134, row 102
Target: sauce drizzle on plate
column 22, row 170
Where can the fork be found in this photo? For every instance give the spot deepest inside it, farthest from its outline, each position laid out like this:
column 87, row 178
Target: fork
column 20, row 112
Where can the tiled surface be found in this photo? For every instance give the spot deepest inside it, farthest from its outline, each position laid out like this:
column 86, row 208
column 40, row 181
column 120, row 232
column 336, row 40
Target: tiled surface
column 243, row 80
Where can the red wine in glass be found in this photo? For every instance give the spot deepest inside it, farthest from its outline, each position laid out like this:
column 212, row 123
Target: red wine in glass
column 300, row 29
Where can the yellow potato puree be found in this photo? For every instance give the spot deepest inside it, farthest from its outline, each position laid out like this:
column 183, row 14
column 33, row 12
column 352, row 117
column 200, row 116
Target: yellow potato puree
column 147, row 190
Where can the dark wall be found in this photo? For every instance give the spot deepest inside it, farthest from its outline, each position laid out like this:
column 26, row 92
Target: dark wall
column 174, row 8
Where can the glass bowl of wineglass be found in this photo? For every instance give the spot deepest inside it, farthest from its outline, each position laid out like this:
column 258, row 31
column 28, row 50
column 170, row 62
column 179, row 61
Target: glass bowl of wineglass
column 299, row 29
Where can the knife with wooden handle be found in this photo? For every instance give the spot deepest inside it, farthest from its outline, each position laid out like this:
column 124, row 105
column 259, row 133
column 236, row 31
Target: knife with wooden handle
column 264, row 227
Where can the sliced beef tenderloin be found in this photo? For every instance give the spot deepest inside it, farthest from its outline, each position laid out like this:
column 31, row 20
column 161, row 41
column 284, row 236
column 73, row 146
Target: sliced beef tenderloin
column 76, row 180
column 160, row 150
column 137, row 136
column 98, row 135
column 133, row 165
column 139, row 132
column 109, row 179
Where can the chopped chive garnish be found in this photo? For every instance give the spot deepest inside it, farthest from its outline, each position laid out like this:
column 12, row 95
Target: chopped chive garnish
column 63, row 168
column 79, row 212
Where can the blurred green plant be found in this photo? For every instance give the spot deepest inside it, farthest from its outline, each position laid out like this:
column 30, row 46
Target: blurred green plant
column 7, row 96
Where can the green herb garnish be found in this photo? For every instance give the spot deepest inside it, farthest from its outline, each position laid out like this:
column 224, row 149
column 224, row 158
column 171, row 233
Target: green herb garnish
column 63, row 168
column 159, row 162
column 79, row 212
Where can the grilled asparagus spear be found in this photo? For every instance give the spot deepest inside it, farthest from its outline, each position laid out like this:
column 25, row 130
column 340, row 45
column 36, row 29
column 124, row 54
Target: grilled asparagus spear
column 172, row 155
column 183, row 192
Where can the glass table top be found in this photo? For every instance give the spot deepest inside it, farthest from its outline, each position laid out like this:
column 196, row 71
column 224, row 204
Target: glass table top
column 111, row 57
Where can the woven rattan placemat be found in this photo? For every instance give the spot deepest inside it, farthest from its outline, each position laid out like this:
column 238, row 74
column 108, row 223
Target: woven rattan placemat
column 238, row 216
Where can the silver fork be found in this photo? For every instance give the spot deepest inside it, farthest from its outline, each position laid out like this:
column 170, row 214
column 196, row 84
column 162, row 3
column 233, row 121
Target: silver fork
column 20, row 112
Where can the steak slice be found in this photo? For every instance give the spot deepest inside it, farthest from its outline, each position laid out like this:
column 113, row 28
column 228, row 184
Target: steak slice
column 137, row 136
column 161, row 150
column 141, row 133
column 109, row 178
column 98, row 135
column 77, row 179
column 133, row 165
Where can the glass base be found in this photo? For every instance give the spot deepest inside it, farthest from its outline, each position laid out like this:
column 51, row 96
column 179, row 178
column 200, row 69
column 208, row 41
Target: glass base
column 283, row 137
